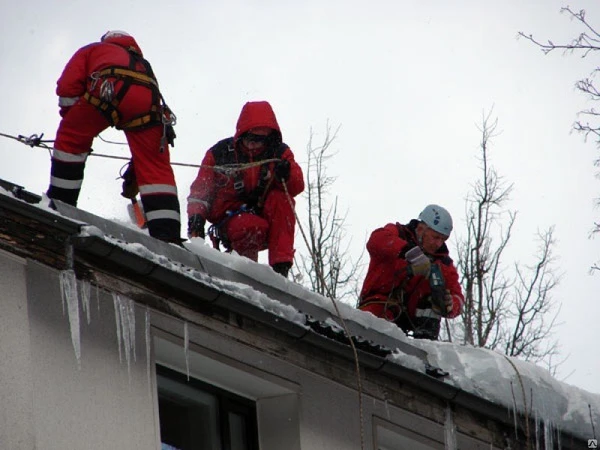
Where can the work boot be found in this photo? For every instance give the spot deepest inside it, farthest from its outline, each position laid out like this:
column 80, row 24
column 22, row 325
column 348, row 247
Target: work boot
column 282, row 268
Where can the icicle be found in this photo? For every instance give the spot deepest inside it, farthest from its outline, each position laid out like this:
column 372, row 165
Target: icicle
column 117, row 303
column 548, row 436
column 130, row 308
column 86, row 288
column 514, row 405
column 148, row 347
column 186, row 345
column 62, row 292
column 387, row 408
column 125, row 332
column 386, row 405
column 125, row 323
column 449, row 430
column 537, row 431
column 98, row 297
column 68, row 289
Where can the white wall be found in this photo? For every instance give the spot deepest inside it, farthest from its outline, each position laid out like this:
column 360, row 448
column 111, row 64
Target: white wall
column 16, row 395
column 57, row 405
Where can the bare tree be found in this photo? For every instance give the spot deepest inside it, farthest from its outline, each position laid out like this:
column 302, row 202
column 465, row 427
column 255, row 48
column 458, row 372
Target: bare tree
column 532, row 319
column 508, row 310
column 588, row 41
column 328, row 268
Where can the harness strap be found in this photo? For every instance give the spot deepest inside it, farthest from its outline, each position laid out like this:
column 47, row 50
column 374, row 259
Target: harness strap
column 217, row 233
column 120, row 72
column 129, row 75
column 109, row 110
column 225, row 153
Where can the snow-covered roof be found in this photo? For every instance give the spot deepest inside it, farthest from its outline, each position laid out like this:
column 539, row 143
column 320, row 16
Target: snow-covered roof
column 467, row 372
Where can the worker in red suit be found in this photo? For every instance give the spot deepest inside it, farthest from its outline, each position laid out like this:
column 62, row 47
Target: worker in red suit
column 245, row 189
column 109, row 83
column 398, row 285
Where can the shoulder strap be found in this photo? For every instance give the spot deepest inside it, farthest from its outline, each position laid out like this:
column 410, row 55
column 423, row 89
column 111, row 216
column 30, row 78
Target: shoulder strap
column 224, row 152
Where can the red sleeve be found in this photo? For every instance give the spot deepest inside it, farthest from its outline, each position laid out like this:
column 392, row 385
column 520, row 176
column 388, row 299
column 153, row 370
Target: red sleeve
column 202, row 190
column 453, row 285
column 295, row 183
column 386, row 269
column 72, row 82
column 385, row 243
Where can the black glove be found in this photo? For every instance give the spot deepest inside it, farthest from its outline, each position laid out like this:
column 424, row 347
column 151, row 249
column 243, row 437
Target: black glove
column 64, row 110
column 196, row 226
column 419, row 263
column 444, row 309
column 170, row 133
column 130, row 187
column 282, row 170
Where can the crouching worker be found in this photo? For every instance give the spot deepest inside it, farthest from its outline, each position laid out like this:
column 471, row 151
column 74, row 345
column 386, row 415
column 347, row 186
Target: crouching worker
column 109, row 83
column 411, row 279
column 241, row 190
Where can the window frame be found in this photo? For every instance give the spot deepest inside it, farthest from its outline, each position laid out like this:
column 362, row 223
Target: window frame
column 227, row 402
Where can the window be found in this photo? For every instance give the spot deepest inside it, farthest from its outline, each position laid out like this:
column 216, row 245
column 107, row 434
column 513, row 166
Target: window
column 411, row 432
column 393, row 437
column 198, row 416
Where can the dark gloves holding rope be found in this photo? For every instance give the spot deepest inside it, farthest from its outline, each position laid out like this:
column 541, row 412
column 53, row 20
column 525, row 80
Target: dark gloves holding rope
column 418, row 262
column 196, row 226
column 282, row 170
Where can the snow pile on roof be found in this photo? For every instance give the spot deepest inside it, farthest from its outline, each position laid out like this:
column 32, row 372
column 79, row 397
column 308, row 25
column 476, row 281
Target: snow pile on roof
column 516, row 384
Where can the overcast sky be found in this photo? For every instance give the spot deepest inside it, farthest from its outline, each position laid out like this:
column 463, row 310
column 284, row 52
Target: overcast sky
column 407, row 81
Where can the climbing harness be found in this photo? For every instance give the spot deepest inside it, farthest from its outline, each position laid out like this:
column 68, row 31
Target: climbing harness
column 216, row 232
column 109, row 98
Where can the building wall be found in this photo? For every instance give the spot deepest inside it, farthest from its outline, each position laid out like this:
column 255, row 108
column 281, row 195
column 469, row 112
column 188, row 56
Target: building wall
column 49, row 400
column 53, row 400
column 16, row 378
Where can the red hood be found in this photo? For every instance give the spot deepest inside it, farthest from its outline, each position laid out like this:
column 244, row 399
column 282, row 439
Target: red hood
column 256, row 114
column 127, row 42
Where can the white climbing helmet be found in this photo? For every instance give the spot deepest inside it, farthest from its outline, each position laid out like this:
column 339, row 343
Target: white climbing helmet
column 437, row 218
column 113, row 34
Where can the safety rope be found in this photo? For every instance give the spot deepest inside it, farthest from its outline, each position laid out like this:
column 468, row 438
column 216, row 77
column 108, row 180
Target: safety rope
column 32, row 141
column 345, row 327
column 36, row 141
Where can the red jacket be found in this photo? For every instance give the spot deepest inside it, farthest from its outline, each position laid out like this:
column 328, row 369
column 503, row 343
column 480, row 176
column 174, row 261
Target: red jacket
column 388, row 268
column 76, row 79
column 213, row 193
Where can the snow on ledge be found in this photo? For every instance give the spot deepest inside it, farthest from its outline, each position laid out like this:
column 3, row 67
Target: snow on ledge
column 485, row 373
